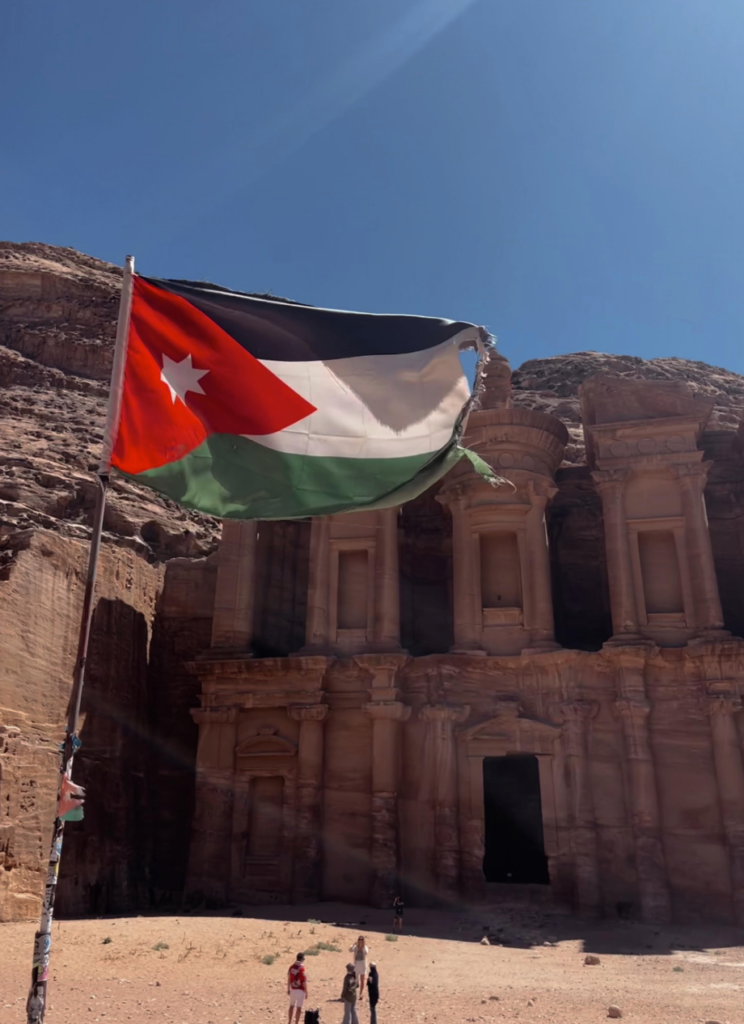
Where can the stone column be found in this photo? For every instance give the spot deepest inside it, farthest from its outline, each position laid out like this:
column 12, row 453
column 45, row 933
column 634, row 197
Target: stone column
column 387, row 591
column 441, row 762
column 232, row 626
column 575, row 714
column 649, row 852
column 542, row 624
column 611, row 485
column 386, row 718
column 307, row 883
column 730, row 777
column 318, row 594
column 708, row 612
column 466, row 592
column 210, row 856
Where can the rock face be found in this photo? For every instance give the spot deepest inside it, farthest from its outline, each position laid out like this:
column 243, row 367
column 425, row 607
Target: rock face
column 552, row 386
column 534, row 684
column 352, row 744
column 57, row 322
column 58, row 313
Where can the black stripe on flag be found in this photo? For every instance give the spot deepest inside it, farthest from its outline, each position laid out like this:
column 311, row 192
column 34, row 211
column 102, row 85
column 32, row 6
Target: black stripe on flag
column 290, row 332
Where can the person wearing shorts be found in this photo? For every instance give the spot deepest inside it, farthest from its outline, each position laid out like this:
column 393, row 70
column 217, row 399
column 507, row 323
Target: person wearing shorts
column 296, row 987
column 398, row 907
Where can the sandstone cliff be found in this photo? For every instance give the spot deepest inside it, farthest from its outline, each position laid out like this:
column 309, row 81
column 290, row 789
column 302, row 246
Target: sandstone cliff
column 57, row 322
column 58, row 313
column 552, row 386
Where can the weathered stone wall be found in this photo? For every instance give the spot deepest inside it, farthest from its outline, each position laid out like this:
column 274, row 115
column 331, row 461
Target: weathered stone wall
column 632, row 810
column 181, row 631
column 639, row 751
column 578, row 563
column 282, row 562
column 425, row 553
column 724, row 498
column 41, row 590
column 139, row 742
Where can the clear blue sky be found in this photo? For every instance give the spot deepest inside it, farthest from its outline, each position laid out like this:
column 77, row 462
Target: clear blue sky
column 569, row 173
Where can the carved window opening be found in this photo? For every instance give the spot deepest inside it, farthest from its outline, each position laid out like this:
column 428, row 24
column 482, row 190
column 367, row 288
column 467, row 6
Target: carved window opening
column 266, row 817
column 353, row 589
column 515, row 845
column 501, row 576
column 662, row 583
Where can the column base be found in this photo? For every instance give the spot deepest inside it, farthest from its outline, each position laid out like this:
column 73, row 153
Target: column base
column 542, row 647
column 708, row 635
column 313, row 651
column 628, row 640
column 472, row 649
column 383, row 647
column 224, row 654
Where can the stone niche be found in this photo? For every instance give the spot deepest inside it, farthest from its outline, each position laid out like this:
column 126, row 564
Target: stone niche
column 641, row 440
column 353, row 591
column 502, row 591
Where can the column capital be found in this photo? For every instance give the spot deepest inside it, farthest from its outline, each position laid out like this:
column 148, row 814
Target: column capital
column 574, row 712
column 382, row 667
column 214, row 716
column 723, row 703
column 388, row 710
column 444, row 713
column 611, row 479
column 634, row 710
column 307, row 712
column 453, row 495
column 541, row 492
column 691, row 473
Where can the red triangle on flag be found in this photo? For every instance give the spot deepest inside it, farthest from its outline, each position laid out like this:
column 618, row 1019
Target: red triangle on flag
column 175, row 352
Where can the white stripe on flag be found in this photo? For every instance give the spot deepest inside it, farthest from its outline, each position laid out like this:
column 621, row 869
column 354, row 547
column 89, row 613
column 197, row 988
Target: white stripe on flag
column 375, row 406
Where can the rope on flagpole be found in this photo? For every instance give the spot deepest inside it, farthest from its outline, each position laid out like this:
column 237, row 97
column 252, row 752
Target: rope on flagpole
column 69, row 796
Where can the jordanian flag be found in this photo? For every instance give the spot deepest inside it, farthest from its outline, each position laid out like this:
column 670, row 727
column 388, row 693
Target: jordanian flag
column 255, row 408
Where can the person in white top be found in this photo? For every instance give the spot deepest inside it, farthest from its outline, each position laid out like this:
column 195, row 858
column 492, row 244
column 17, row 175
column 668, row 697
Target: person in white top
column 361, row 952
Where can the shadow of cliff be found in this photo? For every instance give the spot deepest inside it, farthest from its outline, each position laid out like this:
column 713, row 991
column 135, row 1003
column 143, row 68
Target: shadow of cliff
column 513, row 926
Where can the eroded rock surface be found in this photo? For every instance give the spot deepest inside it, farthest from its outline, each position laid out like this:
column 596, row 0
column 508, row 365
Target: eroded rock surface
column 58, row 312
column 157, row 583
column 552, row 386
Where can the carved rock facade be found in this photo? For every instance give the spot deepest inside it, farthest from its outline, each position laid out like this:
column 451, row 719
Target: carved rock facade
column 358, row 765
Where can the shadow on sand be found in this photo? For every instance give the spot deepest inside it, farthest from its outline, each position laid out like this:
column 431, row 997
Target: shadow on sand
column 518, row 925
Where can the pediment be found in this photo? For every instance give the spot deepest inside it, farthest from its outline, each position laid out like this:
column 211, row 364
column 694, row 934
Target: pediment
column 509, row 731
column 266, row 743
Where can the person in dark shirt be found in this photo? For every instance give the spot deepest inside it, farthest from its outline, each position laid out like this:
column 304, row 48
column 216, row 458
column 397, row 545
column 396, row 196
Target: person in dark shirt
column 398, row 907
column 349, row 996
column 373, row 992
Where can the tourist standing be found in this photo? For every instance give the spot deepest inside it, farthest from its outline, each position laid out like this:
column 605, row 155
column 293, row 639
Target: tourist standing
column 296, row 987
column 361, row 952
column 398, row 907
column 373, row 992
column 349, row 996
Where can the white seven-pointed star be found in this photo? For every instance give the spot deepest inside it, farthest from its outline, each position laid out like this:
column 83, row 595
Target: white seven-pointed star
column 181, row 377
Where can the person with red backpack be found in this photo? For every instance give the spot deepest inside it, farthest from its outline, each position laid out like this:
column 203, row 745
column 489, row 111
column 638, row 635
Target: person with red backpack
column 296, row 987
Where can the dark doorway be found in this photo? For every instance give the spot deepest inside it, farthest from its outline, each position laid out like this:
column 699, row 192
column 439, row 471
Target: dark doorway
column 515, row 851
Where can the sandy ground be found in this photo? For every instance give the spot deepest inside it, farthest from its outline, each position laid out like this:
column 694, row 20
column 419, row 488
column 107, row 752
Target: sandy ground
column 212, row 970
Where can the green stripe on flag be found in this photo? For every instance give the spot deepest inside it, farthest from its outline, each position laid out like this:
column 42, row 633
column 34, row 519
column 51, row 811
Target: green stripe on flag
column 234, row 477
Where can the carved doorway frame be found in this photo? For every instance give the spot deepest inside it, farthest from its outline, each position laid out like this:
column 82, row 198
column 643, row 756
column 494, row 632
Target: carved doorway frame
column 263, row 755
column 507, row 732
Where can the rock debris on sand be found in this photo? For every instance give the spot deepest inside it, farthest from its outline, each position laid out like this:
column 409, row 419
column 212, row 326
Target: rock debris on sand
column 227, row 969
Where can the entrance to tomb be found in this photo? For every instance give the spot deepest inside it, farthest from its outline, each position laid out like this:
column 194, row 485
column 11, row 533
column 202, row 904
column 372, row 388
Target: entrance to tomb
column 515, row 849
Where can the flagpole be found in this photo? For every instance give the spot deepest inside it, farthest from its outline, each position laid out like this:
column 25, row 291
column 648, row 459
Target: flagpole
column 36, row 1002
